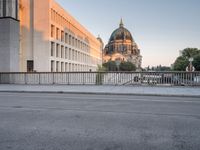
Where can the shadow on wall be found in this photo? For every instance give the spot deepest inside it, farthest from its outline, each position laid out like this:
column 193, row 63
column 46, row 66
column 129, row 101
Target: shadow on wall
column 34, row 51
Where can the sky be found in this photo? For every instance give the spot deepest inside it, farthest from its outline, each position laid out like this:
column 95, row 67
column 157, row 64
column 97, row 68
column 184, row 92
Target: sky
column 161, row 28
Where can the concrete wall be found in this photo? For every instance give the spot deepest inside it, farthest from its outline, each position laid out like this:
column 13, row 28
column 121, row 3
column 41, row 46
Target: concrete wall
column 41, row 35
column 34, row 32
column 9, row 45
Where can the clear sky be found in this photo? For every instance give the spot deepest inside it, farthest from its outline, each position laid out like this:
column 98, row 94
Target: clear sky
column 160, row 27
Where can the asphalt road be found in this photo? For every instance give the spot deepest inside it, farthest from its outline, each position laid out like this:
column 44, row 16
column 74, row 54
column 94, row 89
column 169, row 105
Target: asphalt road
column 98, row 122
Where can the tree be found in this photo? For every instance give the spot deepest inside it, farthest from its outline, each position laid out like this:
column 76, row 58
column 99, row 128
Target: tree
column 190, row 52
column 181, row 63
column 110, row 66
column 101, row 68
column 196, row 62
column 100, row 75
column 127, row 66
column 162, row 68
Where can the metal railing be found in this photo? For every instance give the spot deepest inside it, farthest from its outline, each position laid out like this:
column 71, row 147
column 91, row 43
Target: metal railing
column 104, row 78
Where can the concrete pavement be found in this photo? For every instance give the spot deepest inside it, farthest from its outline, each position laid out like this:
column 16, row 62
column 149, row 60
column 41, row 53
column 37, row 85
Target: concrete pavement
column 44, row 121
column 87, row 89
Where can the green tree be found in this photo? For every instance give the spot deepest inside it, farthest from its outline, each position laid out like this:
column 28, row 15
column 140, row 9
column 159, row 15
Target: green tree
column 181, row 63
column 190, row 52
column 100, row 75
column 127, row 66
column 110, row 66
column 196, row 62
column 101, row 68
column 161, row 68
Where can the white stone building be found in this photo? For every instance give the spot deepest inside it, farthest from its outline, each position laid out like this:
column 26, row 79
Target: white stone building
column 49, row 39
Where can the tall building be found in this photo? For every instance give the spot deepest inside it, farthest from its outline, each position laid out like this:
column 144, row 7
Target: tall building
column 9, row 36
column 50, row 39
column 122, row 47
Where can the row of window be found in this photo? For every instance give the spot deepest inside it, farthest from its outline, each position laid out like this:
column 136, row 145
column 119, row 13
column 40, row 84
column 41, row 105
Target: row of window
column 59, row 51
column 57, row 66
column 121, row 48
column 67, row 38
column 61, row 20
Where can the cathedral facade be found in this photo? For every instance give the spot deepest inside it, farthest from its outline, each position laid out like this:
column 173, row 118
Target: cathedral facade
column 122, row 47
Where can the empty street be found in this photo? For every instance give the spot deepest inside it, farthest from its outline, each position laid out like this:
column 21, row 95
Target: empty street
column 31, row 121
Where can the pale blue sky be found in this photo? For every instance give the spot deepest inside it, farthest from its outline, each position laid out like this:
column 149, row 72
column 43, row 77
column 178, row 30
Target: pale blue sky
column 160, row 27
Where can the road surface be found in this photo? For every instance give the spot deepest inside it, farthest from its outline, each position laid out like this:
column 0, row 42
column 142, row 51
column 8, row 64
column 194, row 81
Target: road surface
column 98, row 122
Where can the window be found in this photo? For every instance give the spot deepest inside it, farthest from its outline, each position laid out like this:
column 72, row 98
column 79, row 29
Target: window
column 52, row 66
column 57, row 50
column 57, row 66
column 30, row 66
column 70, row 67
column 62, row 66
column 66, row 67
column 52, row 30
column 66, row 38
column 57, row 33
column 52, row 48
column 70, row 39
column 70, row 54
column 66, row 55
column 62, row 36
column 76, row 43
column 62, row 52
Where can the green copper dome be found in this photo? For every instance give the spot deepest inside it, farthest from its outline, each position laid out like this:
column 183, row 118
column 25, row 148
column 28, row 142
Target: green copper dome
column 121, row 33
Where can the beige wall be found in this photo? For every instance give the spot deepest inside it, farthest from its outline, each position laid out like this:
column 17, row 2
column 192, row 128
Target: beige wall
column 36, row 18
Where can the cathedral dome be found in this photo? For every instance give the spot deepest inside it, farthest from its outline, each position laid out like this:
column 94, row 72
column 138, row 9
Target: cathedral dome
column 121, row 34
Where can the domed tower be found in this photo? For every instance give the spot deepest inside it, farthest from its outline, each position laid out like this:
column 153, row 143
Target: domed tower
column 122, row 47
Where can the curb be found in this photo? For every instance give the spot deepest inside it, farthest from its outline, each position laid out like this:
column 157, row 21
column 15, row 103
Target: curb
column 103, row 93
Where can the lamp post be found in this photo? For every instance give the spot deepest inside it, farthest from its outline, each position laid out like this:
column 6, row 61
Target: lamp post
column 191, row 68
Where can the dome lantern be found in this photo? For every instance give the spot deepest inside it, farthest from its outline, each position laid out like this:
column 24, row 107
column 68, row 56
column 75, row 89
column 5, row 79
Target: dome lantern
column 121, row 25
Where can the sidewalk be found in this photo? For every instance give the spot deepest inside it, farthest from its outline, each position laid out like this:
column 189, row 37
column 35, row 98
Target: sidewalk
column 87, row 89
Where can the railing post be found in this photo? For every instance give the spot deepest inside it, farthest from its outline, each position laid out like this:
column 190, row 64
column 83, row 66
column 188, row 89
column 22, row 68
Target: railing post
column 141, row 78
column 53, row 78
column 25, row 78
column 83, row 78
column 68, row 77
column 39, row 79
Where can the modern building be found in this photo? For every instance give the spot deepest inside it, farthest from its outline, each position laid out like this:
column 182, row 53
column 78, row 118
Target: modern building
column 49, row 39
column 122, row 47
column 9, row 36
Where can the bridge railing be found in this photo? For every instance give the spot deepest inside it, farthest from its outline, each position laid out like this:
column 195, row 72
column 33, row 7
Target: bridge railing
column 103, row 78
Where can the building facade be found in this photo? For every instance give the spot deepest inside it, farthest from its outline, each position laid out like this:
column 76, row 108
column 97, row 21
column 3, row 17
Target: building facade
column 50, row 39
column 9, row 36
column 122, row 47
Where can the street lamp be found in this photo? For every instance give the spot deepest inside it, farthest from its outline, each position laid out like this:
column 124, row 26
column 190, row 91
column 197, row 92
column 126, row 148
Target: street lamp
column 191, row 68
